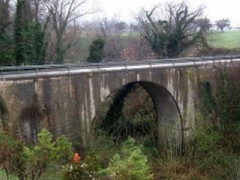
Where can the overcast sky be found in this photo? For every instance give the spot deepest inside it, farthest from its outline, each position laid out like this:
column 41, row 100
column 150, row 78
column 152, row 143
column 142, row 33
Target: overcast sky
column 214, row 9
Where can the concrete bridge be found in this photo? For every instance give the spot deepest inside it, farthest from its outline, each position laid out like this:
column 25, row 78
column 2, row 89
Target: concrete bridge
column 66, row 98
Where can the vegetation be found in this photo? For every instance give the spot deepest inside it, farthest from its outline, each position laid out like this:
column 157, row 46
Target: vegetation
column 226, row 39
column 222, row 24
column 41, row 32
column 31, row 162
column 169, row 38
column 26, row 40
column 62, row 13
column 96, row 51
column 130, row 164
column 6, row 42
column 29, row 36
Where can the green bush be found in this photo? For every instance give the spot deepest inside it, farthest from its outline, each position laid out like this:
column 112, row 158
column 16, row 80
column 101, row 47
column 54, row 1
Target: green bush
column 130, row 164
column 96, row 50
column 208, row 151
column 32, row 162
column 46, row 152
column 78, row 172
column 93, row 160
column 89, row 168
column 12, row 160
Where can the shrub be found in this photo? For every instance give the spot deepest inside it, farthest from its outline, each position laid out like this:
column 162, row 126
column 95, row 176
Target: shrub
column 11, row 156
column 90, row 168
column 78, row 171
column 45, row 152
column 130, row 164
column 32, row 162
column 96, row 50
column 208, row 152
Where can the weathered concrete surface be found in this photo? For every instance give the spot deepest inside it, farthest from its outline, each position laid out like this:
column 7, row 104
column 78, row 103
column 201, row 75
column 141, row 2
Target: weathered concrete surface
column 68, row 104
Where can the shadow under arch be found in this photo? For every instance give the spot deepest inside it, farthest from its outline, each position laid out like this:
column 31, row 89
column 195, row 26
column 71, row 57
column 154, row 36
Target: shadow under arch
column 169, row 120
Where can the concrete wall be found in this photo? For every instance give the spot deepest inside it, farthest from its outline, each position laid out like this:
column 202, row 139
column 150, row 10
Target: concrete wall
column 67, row 105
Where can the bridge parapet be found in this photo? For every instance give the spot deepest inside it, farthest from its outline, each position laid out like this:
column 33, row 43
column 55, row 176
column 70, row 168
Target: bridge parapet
column 41, row 71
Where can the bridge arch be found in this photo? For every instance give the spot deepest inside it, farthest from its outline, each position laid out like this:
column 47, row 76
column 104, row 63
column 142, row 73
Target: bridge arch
column 168, row 116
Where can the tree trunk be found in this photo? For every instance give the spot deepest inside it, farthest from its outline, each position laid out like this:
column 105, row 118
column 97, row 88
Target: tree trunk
column 59, row 48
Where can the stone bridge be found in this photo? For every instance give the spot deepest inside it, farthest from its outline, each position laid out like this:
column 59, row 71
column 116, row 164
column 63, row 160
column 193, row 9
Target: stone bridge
column 66, row 98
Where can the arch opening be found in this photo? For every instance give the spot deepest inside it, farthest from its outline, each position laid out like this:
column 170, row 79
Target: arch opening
column 142, row 110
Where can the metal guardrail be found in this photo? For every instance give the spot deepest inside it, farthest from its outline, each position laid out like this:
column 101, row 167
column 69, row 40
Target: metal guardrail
column 38, row 71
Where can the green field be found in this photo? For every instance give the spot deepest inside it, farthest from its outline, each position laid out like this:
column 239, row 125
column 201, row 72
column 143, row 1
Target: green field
column 227, row 39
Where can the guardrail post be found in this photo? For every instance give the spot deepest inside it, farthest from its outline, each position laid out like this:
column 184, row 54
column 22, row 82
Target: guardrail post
column 69, row 72
column 1, row 73
column 150, row 71
column 36, row 73
column 194, row 62
column 173, row 63
column 126, row 66
column 98, row 68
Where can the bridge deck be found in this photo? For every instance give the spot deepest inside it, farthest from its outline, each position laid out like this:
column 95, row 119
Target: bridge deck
column 40, row 71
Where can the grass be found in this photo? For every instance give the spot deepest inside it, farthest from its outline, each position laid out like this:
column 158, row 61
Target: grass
column 227, row 39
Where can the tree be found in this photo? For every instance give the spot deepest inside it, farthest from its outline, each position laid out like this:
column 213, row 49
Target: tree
column 29, row 33
column 96, row 50
column 63, row 13
column 40, row 22
column 222, row 23
column 120, row 26
column 18, row 33
column 6, row 41
column 5, row 15
column 203, row 23
column 170, row 37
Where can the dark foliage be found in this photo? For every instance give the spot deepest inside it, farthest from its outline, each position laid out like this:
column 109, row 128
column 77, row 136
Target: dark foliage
column 6, row 42
column 29, row 37
column 96, row 51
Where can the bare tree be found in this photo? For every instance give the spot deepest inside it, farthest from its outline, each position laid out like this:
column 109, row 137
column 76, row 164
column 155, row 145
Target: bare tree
column 120, row 26
column 203, row 23
column 223, row 23
column 63, row 13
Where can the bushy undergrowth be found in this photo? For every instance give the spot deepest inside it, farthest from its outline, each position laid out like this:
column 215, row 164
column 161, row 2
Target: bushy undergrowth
column 32, row 162
column 128, row 163
column 131, row 163
column 208, row 153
